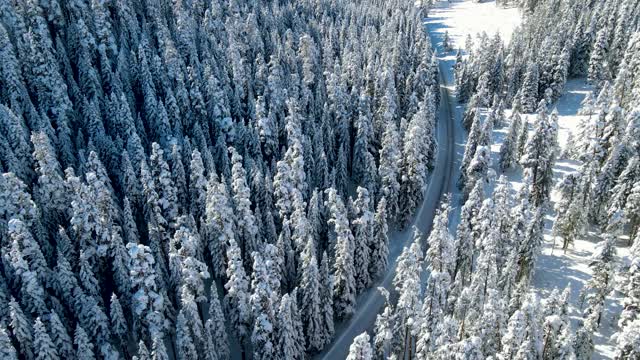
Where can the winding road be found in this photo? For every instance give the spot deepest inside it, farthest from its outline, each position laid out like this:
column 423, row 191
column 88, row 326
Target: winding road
column 371, row 302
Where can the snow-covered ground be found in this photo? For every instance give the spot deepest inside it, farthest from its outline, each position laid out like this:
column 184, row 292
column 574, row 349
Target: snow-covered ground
column 554, row 269
column 460, row 18
column 557, row 269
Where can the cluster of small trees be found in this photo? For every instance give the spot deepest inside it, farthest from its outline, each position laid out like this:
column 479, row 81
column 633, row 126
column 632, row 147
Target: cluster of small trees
column 193, row 178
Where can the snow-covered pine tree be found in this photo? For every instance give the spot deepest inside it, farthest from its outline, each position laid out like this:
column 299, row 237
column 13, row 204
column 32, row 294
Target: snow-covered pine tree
column 60, row 336
column 236, row 300
column 43, row 347
column 326, row 298
column 419, row 146
column 219, row 224
column 84, row 347
column 440, row 259
column 465, row 238
column 344, row 286
column 627, row 342
column 539, row 155
column 118, row 322
column 215, row 326
column 390, row 160
column 598, row 66
column 360, row 349
column 529, row 91
column 197, row 187
column 263, row 337
column 601, row 283
column 380, row 242
column 245, row 220
column 383, row 329
column 311, row 300
column 446, row 42
column 363, row 238
column 6, row 347
column 408, row 285
column 509, row 147
column 288, row 346
column 146, row 300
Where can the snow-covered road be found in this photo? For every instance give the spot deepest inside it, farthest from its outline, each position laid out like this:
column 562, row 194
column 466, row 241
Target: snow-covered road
column 370, row 302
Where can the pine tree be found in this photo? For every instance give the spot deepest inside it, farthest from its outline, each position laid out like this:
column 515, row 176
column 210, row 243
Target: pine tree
column 7, row 351
column 263, row 307
column 287, row 341
column 446, row 42
column 509, row 147
column 216, row 326
column 363, row 235
column 440, row 258
column 360, row 348
column 465, row 238
column 598, row 66
column 529, row 91
column 219, row 223
column 529, row 248
column 344, row 286
column 197, row 187
column 627, row 342
column 50, row 191
column 43, row 347
column 379, row 248
column 21, row 328
column 599, row 286
column 245, row 221
column 571, row 218
column 583, row 343
column 159, row 351
column 326, row 298
column 118, row 322
column 539, row 155
column 388, row 170
column 587, row 105
column 383, row 328
column 143, row 352
column 407, row 283
column 185, row 345
column 418, row 150
column 60, row 336
column 311, row 301
column 84, row 347
column 146, row 302
column 473, row 140
column 290, row 175
column 364, row 132
column 236, row 300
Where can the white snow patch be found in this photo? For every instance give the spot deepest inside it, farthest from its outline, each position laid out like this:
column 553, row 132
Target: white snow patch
column 460, row 18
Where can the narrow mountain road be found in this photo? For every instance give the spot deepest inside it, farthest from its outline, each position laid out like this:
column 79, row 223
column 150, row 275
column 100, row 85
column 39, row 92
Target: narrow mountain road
column 370, row 303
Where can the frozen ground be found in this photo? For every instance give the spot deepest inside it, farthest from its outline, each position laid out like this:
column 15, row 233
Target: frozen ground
column 554, row 269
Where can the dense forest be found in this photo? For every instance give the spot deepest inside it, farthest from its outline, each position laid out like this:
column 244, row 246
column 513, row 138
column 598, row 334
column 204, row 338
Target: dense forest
column 476, row 302
column 211, row 180
column 193, row 179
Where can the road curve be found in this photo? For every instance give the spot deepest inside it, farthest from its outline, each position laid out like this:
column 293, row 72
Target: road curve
column 370, row 303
